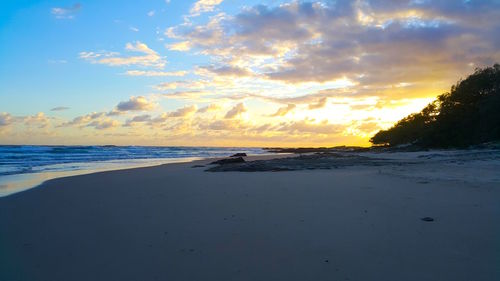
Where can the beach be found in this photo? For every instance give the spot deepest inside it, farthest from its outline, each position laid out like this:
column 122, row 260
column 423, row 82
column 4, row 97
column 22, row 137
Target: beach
column 413, row 218
column 283, row 140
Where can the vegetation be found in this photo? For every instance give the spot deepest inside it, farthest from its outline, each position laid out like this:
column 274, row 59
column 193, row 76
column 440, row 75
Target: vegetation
column 469, row 114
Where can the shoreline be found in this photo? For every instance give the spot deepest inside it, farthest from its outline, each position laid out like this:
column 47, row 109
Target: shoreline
column 308, row 159
column 24, row 182
column 16, row 183
column 25, row 166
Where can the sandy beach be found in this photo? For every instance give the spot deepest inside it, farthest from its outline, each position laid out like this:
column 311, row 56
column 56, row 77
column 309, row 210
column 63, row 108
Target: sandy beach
column 176, row 222
column 283, row 140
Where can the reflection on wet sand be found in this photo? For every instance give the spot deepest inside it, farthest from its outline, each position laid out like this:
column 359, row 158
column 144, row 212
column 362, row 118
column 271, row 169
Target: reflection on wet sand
column 11, row 184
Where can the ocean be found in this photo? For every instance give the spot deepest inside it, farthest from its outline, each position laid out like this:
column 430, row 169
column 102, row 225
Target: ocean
column 26, row 166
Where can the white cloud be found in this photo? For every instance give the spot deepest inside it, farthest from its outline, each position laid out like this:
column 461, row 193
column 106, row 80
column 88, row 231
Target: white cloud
column 151, row 13
column 150, row 58
column 65, row 13
column 5, row 119
column 202, row 6
column 39, row 120
column 179, row 46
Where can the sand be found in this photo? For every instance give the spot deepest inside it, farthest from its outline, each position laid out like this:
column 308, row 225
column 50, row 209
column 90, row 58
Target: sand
column 175, row 222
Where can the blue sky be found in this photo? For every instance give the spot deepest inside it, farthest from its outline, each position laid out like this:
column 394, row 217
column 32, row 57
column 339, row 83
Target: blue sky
column 220, row 72
column 40, row 52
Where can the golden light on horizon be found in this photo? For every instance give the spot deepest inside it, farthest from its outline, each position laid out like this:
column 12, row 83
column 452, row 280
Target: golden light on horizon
column 290, row 73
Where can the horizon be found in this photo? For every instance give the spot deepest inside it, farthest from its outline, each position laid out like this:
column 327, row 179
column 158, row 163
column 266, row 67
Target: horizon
column 188, row 146
column 217, row 73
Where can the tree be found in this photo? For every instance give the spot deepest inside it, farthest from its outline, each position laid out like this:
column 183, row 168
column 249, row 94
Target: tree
column 469, row 114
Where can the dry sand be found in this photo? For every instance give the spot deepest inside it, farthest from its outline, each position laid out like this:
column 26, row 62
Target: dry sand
column 175, row 222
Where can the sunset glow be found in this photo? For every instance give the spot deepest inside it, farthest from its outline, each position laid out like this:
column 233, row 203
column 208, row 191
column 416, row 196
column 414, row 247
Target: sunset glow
column 231, row 73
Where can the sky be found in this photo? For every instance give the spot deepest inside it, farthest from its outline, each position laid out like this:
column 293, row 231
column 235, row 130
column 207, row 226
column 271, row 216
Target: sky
column 229, row 72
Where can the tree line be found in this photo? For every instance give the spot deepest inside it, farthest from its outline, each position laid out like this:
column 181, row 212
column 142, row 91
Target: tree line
column 467, row 115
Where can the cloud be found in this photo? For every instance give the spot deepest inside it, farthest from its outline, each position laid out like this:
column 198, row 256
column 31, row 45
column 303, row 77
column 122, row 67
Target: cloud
column 290, row 55
column 224, row 125
column 59, row 108
column 179, row 46
column 369, row 127
column 203, row 6
column 150, row 58
column 39, row 120
column 137, row 119
column 209, row 108
column 209, row 37
column 320, row 104
column 183, row 112
column 369, row 43
column 283, row 130
column 186, row 95
column 189, row 84
column 151, row 13
column 56, row 61
column 96, row 120
column 103, row 124
column 311, row 98
column 84, row 119
column 147, row 119
column 134, row 29
column 282, row 111
column 66, row 13
column 135, row 104
column 170, row 85
column 114, row 112
column 151, row 73
column 236, row 111
column 159, row 119
column 309, row 127
column 228, row 70
column 5, row 119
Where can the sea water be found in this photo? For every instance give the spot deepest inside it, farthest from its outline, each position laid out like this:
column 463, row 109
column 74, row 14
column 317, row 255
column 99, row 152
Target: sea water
column 26, row 166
